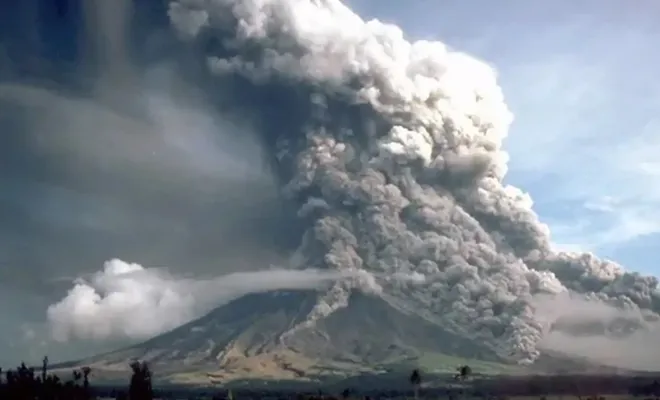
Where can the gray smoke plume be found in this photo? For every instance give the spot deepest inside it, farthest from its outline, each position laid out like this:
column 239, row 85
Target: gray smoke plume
column 394, row 151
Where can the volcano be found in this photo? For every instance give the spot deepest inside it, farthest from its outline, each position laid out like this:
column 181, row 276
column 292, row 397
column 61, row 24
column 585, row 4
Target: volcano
column 268, row 335
column 392, row 152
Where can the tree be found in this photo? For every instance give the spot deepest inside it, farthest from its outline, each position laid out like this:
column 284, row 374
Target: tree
column 44, row 369
column 416, row 381
column 140, row 387
column 85, row 374
column 463, row 372
column 23, row 383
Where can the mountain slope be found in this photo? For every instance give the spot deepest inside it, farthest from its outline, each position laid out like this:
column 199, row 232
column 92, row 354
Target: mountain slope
column 265, row 335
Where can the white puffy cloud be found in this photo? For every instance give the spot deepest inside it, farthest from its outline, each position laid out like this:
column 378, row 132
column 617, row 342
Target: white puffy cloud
column 128, row 301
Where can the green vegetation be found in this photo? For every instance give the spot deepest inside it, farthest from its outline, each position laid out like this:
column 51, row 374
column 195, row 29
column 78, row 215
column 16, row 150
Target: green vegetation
column 438, row 363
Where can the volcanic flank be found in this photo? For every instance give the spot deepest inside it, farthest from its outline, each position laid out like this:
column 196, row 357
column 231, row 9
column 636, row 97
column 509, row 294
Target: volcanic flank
column 393, row 151
column 268, row 335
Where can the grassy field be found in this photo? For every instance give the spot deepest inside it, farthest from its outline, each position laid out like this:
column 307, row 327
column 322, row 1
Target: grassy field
column 446, row 364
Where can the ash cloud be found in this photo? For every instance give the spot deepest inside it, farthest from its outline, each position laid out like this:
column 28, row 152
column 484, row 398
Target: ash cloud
column 394, row 151
column 599, row 329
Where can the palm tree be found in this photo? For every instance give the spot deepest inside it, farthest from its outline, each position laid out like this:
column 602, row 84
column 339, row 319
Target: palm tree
column 140, row 386
column 77, row 375
column 345, row 393
column 85, row 374
column 463, row 372
column 416, row 381
column 44, row 369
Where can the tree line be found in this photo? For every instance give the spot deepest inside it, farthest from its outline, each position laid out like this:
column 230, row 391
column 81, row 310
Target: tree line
column 23, row 383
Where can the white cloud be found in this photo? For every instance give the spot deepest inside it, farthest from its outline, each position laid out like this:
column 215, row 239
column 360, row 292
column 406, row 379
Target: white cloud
column 126, row 300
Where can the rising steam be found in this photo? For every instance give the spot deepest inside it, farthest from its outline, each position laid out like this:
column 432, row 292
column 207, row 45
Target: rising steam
column 393, row 150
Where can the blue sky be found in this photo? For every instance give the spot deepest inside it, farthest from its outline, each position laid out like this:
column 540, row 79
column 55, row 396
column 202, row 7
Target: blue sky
column 582, row 81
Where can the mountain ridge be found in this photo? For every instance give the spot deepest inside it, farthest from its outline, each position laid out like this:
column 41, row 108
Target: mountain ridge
column 266, row 335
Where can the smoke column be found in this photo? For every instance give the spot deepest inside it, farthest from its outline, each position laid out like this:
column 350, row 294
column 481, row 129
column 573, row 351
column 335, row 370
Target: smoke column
column 393, row 151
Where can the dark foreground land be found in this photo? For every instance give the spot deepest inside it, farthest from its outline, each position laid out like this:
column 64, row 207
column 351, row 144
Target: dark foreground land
column 25, row 383
column 578, row 387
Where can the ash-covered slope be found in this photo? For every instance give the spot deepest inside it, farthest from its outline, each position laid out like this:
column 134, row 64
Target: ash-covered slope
column 268, row 335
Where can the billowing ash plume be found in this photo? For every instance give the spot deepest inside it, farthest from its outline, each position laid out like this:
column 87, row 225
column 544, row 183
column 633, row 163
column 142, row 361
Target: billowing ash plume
column 394, row 151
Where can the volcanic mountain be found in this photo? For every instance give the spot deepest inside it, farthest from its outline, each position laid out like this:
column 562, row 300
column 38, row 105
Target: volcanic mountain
column 268, row 335
column 393, row 154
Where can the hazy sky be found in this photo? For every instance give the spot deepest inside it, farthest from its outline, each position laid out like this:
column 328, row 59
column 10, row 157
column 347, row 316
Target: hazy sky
column 578, row 77
column 581, row 79
column 88, row 176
